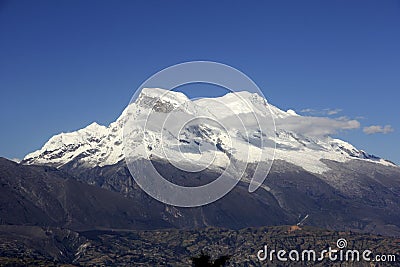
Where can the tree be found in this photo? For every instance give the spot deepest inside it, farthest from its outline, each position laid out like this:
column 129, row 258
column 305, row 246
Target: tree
column 205, row 261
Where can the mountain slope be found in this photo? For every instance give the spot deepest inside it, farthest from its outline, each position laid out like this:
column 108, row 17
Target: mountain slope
column 45, row 196
column 336, row 185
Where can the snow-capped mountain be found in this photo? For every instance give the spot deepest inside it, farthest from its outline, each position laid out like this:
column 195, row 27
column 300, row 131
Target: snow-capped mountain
column 337, row 185
column 202, row 141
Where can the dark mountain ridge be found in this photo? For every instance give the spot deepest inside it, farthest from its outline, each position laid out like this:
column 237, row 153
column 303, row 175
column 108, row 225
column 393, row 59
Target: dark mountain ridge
column 46, row 196
column 108, row 197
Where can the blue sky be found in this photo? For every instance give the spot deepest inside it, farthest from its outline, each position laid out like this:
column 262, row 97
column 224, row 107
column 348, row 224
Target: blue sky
column 65, row 64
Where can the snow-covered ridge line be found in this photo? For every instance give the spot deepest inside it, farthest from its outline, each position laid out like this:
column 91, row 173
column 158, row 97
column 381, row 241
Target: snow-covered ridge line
column 97, row 145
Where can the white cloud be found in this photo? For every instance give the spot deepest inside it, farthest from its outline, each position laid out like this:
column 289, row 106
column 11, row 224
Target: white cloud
column 326, row 111
column 373, row 129
column 332, row 111
column 316, row 126
column 308, row 110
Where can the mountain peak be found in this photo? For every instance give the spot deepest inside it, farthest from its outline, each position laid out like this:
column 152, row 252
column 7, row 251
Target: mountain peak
column 97, row 145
